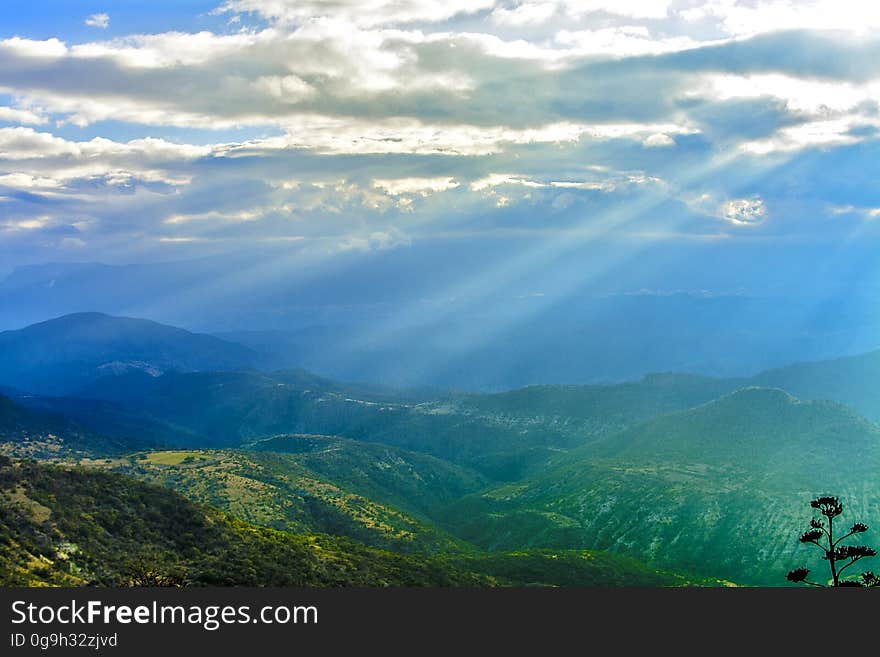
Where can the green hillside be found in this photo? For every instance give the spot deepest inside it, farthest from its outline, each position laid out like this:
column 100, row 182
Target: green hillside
column 36, row 434
column 764, row 431
column 551, row 485
column 75, row 526
column 418, row 483
column 504, row 437
column 599, row 409
column 276, row 491
column 573, row 568
column 718, row 489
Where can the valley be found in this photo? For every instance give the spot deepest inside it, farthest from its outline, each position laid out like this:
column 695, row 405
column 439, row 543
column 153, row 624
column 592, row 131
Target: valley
column 672, row 479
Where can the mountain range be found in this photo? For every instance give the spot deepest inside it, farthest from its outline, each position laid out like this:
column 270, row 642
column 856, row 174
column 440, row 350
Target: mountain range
column 692, row 478
column 59, row 356
column 384, row 317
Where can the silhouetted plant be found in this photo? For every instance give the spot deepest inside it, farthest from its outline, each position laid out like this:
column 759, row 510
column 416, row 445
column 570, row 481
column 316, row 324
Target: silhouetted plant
column 140, row 573
column 839, row 557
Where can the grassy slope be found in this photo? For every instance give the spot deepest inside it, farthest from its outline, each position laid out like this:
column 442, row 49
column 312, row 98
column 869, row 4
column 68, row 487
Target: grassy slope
column 63, row 526
column 74, row 526
column 720, row 489
column 274, row 490
column 417, row 483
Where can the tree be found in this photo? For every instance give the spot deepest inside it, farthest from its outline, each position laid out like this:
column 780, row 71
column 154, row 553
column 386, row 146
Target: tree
column 142, row 573
column 839, row 557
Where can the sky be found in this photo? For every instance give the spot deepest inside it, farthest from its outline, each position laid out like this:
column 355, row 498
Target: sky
column 135, row 131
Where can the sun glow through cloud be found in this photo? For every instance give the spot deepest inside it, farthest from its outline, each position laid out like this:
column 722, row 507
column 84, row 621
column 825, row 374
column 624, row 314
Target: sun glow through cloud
column 357, row 129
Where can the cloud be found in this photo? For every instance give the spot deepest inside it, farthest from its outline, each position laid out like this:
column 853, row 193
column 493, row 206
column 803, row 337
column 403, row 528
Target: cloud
column 750, row 18
column 624, row 41
column 101, row 21
column 33, row 49
column 41, row 159
column 407, row 136
column 23, row 181
column 539, row 11
column 865, row 213
column 744, row 211
column 359, row 12
column 658, row 140
column 810, row 96
column 21, row 116
column 823, row 134
column 33, row 223
column 420, row 186
column 525, row 13
column 250, row 215
column 375, row 241
column 628, row 8
column 339, row 122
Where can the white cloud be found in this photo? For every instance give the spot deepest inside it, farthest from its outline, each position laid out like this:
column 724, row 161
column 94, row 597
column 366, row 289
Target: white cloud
column 865, row 213
column 170, row 49
column 497, row 179
column 27, row 144
column 101, row 21
column 744, row 211
column 645, row 9
column 828, row 112
column 375, row 241
column 658, row 140
column 539, row 11
column 359, row 110
column 813, row 134
column 34, row 223
column 337, row 135
column 25, row 181
column 29, row 48
column 39, row 158
column 749, row 211
column 359, row 12
column 215, row 215
column 623, row 41
column 287, row 88
column 525, row 13
column 608, row 181
column 419, row 186
column 811, row 96
column 21, row 116
column 749, row 18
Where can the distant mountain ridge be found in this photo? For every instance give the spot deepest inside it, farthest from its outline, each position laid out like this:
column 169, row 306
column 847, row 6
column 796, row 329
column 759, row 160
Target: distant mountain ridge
column 355, row 321
column 36, row 433
column 766, row 429
column 61, row 355
column 852, row 380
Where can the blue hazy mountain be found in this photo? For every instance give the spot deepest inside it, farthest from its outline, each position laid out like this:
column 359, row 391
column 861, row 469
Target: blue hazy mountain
column 667, row 468
column 62, row 355
column 412, row 318
column 35, row 432
column 853, row 380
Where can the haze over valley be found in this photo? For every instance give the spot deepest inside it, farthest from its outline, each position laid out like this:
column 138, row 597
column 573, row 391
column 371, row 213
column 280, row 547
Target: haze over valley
column 407, row 292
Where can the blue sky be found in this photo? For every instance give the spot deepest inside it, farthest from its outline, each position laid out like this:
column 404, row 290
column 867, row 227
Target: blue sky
column 67, row 18
column 152, row 131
